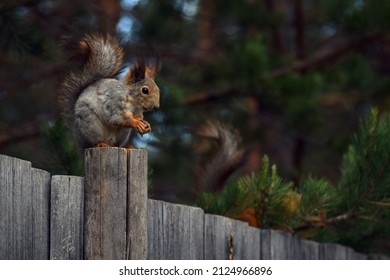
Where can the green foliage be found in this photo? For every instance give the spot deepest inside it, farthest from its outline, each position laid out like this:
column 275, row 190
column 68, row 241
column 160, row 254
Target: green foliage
column 366, row 165
column 299, row 96
column 317, row 194
column 64, row 155
column 250, row 61
column 357, row 208
column 264, row 191
column 363, row 192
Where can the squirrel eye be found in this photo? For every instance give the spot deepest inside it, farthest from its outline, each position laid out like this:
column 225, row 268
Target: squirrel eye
column 145, row 90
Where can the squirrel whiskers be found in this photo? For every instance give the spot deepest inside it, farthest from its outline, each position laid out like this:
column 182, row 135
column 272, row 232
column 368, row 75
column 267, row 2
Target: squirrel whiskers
column 100, row 109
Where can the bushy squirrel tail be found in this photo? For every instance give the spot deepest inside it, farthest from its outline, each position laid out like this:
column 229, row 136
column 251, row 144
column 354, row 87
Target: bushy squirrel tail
column 102, row 56
column 215, row 170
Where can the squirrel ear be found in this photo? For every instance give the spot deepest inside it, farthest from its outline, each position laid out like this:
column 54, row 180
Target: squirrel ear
column 151, row 71
column 137, row 72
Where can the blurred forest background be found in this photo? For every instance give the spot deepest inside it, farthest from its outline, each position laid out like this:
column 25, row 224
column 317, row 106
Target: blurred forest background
column 291, row 79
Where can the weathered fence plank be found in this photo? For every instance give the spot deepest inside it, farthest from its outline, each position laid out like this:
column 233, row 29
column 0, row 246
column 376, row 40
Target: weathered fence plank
column 230, row 239
column 16, row 209
column 280, row 245
column 66, row 218
column 295, row 247
column 6, row 185
column 309, row 250
column 41, row 214
column 137, row 197
column 265, row 244
column 175, row 231
column 218, row 235
column 155, row 230
column 246, row 242
column 105, row 204
column 330, row 251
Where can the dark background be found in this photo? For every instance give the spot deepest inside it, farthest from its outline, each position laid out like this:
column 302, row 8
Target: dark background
column 292, row 78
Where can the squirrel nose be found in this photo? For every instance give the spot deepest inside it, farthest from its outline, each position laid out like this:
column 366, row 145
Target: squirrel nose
column 156, row 107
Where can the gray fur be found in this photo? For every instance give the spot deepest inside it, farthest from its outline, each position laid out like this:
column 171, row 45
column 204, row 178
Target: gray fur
column 98, row 114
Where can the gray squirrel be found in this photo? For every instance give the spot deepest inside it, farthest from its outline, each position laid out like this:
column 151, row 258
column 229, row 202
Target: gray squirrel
column 100, row 109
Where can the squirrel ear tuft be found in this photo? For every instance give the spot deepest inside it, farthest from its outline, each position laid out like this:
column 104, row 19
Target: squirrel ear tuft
column 151, row 71
column 137, row 73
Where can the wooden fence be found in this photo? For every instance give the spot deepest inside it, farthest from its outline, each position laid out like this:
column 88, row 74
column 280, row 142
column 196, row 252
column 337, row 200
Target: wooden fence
column 107, row 215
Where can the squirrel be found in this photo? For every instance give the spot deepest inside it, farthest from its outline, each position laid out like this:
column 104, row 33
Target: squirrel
column 101, row 109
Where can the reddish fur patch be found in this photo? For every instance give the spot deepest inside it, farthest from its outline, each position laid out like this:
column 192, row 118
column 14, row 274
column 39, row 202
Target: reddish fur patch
column 102, row 145
column 249, row 216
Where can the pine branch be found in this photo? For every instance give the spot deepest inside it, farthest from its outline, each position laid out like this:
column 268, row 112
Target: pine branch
column 323, row 56
column 340, row 218
column 373, row 219
column 383, row 203
column 207, row 96
column 374, row 185
column 373, row 125
column 320, row 58
column 24, row 81
column 307, row 224
column 22, row 132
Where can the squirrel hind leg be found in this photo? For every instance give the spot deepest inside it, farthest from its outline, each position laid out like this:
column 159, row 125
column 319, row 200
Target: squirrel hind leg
column 102, row 145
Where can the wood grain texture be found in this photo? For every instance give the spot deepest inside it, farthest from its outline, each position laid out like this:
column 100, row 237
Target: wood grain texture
column 281, row 248
column 105, row 203
column 309, row 250
column 175, row 231
column 155, row 230
column 295, row 247
column 66, row 218
column 330, row 251
column 137, row 197
column 246, row 241
column 280, row 245
column 41, row 214
column 227, row 238
column 218, row 230
column 16, row 242
column 265, row 241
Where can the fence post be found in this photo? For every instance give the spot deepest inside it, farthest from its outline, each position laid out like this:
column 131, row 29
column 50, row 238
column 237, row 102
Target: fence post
column 115, row 204
column 16, row 215
column 66, row 218
column 137, row 201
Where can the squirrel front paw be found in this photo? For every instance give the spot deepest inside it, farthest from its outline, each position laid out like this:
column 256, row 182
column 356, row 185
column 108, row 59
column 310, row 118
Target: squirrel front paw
column 137, row 123
column 142, row 127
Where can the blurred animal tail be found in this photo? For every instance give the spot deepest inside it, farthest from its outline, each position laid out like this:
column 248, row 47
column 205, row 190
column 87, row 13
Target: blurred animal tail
column 213, row 172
